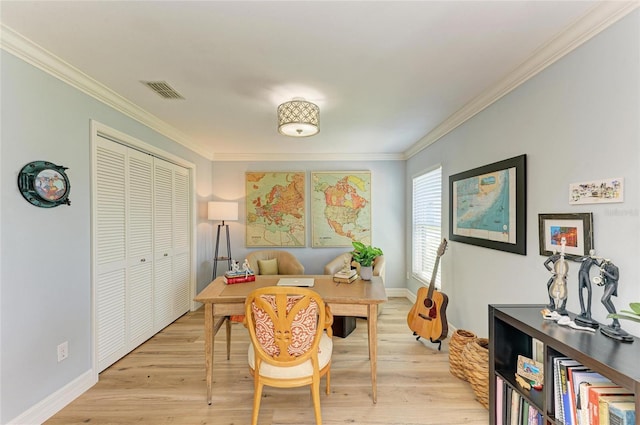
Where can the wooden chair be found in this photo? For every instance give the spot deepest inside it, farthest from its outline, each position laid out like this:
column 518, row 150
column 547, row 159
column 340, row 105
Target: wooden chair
column 290, row 331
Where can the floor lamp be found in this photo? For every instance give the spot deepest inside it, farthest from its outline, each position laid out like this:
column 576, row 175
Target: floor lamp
column 221, row 211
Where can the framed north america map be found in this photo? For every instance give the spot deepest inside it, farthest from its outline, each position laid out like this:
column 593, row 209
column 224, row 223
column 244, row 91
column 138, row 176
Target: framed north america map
column 276, row 209
column 340, row 208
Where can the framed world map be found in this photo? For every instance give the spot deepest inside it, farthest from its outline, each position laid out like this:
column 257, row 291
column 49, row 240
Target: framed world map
column 340, row 208
column 276, row 209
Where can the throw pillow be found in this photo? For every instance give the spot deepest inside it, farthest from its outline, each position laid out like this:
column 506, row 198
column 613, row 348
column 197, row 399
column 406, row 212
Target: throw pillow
column 268, row 266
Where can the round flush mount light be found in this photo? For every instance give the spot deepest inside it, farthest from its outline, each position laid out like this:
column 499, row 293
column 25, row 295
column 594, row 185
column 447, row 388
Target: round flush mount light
column 298, row 118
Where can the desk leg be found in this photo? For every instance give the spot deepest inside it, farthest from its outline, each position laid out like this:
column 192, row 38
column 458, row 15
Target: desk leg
column 209, row 337
column 372, row 323
column 228, row 337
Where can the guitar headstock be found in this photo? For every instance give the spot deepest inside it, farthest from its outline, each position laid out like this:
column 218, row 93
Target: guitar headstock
column 442, row 248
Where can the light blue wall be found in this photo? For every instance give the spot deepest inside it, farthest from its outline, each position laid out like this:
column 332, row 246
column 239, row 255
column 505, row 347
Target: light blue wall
column 388, row 210
column 45, row 272
column 579, row 120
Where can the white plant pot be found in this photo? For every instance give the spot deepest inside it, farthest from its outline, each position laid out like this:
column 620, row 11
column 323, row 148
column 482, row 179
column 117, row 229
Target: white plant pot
column 366, row 272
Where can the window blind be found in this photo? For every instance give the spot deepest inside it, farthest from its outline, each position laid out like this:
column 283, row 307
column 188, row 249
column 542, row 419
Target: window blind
column 427, row 223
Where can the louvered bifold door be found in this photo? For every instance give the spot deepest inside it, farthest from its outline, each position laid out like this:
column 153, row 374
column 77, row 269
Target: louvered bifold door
column 140, row 248
column 110, row 251
column 181, row 241
column 163, row 243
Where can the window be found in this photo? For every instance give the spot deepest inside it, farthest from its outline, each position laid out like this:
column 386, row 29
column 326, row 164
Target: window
column 427, row 213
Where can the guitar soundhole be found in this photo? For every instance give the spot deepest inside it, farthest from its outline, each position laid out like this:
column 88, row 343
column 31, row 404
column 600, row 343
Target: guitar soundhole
column 430, row 305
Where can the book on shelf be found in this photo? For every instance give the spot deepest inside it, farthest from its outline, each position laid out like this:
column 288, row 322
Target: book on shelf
column 622, row 413
column 594, row 396
column 499, row 400
column 604, row 403
column 506, row 412
column 345, row 280
column 537, row 348
column 515, row 407
column 239, row 279
column 557, row 388
column 577, row 377
column 582, row 403
column 565, row 367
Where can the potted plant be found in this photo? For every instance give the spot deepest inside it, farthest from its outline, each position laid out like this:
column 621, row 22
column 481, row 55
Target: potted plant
column 364, row 255
column 629, row 314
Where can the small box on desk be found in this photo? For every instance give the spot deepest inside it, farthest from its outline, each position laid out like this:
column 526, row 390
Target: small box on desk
column 343, row 325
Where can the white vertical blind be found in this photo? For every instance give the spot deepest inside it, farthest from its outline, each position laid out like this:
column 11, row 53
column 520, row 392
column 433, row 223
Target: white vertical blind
column 427, row 223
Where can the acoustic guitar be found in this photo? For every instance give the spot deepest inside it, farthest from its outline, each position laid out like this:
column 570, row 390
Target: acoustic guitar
column 427, row 318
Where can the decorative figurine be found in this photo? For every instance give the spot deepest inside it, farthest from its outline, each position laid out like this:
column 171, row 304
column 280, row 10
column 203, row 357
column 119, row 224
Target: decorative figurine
column 235, row 267
column 584, row 282
column 558, row 287
column 547, row 264
column 246, row 268
column 609, row 275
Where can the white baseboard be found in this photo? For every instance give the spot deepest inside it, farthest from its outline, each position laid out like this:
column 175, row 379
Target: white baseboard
column 398, row 293
column 51, row 405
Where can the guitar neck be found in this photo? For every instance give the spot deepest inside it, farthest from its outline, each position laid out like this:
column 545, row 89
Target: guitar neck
column 432, row 284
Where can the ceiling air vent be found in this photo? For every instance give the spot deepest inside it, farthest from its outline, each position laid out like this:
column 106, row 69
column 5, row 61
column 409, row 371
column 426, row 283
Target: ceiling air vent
column 163, row 89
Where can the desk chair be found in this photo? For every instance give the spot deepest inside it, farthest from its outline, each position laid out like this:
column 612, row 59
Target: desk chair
column 290, row 331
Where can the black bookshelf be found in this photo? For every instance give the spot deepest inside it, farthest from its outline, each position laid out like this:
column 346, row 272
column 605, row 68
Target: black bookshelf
column 511, row 329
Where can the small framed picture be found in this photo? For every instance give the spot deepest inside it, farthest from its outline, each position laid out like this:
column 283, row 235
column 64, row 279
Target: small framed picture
column 575, row 228
column 530, row 369
column 597, row 192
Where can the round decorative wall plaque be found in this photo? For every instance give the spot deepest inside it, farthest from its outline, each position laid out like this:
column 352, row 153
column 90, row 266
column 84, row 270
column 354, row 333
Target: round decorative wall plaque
column 44, row 184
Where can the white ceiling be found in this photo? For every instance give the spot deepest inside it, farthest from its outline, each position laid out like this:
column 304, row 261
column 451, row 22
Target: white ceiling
column 390, row 77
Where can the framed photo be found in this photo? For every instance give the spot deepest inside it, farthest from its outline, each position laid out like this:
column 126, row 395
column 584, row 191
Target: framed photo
column 340, row 208
column 487, row 206
column 576, row 228
column 276, row 209
column 597, row 192
column 530, row 369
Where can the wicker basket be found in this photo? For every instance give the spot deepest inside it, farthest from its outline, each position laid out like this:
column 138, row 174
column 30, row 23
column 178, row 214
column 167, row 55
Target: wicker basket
column 458, row 341
column 476, row 357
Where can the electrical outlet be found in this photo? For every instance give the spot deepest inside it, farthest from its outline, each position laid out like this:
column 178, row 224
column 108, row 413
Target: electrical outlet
column 63, row 351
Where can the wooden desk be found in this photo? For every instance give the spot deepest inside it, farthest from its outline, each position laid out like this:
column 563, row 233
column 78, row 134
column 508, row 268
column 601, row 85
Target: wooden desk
column 360, row 298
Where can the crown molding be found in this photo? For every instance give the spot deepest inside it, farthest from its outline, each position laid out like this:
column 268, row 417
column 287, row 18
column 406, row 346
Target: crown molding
column 274, row 157
column 23, row 48
column 595, row 21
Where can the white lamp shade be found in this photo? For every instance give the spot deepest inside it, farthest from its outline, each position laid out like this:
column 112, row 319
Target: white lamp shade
column 223, row 211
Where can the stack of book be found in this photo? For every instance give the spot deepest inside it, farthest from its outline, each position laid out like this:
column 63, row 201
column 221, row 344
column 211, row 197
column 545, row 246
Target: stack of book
column 240, row 276
column 345, row 276
column 585, row 397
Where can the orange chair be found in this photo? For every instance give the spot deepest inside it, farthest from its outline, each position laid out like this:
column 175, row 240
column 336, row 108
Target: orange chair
column 290, row 331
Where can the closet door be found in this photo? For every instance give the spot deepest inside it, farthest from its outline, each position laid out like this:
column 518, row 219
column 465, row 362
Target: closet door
column 163, row 242
column 172, row 242
column 110, row 258
column 142, row 257
column 181, row 241
column 139, row 248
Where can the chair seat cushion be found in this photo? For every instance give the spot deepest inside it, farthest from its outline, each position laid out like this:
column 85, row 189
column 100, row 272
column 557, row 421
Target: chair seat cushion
column 305, row 369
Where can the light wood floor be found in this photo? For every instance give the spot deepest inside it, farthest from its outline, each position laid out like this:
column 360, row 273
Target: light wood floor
column 163, row 382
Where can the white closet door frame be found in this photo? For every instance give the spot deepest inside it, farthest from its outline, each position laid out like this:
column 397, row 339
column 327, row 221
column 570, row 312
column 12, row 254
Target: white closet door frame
column 99, row 129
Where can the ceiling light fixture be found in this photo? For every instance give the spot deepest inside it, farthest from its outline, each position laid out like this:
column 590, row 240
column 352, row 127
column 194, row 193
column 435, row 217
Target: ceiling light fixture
column 298, row 118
